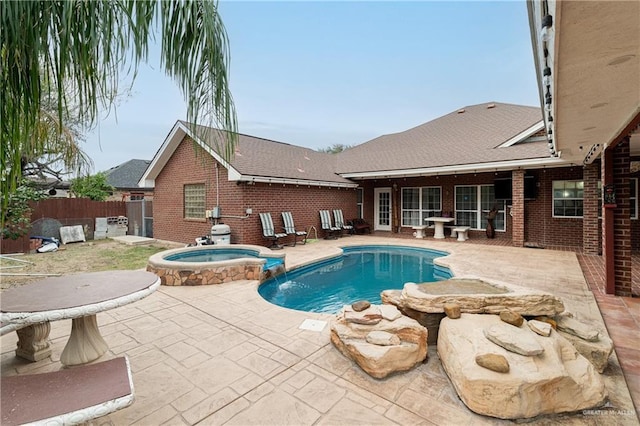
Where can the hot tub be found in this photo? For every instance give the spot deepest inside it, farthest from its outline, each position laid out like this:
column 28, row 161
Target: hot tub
column 204, row 265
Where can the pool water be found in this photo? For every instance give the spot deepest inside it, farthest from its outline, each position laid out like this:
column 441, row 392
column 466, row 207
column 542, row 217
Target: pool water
column 220, row 255
column 361, row 273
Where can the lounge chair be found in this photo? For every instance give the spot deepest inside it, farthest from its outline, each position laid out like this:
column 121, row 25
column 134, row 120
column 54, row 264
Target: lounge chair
column 268, row 231
column 290, row 228
column 339, row 220
column 332, row 232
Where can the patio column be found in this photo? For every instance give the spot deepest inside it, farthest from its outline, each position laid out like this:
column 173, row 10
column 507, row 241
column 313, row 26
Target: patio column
column 590, row 228
column 517, row 207
column 616, row 230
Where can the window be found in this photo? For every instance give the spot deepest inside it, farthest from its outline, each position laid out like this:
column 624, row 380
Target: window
column 420, row 203
column 360, row 194
column 136, row 197
column 473, row 203
column 567, row 198
column 194, row 201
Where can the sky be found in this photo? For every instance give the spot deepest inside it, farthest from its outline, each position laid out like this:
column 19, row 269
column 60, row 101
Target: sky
column 315, row 74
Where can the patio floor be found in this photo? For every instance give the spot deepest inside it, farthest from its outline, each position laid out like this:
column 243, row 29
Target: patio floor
column 223, row 355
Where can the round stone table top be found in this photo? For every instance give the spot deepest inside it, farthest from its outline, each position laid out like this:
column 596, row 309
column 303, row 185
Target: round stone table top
column 79, row 290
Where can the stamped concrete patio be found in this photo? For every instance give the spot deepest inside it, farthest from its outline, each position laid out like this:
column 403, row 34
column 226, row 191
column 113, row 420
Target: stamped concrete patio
column 222, row 355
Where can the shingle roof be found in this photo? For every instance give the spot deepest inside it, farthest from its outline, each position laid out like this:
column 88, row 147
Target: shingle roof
column 266, row 158
column 127, row 175
column 469, row 135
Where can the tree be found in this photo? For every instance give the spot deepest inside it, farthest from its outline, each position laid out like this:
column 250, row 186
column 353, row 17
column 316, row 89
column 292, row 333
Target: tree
column 94, row 187
column 72, row 53
column 335, row 148
column 60, row 153
column 18, row 214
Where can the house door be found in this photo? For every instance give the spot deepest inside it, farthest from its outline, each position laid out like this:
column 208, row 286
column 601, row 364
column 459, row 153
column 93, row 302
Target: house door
column 382, row 209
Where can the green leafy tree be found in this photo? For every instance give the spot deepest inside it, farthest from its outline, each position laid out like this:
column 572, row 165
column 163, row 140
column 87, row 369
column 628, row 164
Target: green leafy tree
column 335, row 148
column 73, row 52
column 94, row 187
column 18, row 214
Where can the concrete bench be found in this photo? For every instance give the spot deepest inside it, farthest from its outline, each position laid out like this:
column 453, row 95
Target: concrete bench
column 70, row 396
column 461, row 231
column 419, row 230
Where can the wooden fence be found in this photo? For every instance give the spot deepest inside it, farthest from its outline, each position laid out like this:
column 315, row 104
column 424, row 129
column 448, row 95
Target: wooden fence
column 67, row 211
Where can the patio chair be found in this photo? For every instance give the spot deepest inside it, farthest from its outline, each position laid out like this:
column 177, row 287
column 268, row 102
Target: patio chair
column 290, row 228
column 339, row 220
column 360, row 226
column 268, row 231
column 332, row 232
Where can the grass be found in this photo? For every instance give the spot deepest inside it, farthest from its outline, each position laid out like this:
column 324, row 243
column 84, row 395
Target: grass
column 91, row 256
column 130, row 257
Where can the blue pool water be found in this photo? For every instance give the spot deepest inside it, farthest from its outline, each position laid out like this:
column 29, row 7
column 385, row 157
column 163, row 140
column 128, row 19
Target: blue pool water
column 208, row 255
column 361, row 273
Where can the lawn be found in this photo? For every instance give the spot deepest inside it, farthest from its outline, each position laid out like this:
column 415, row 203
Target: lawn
column 99, row 255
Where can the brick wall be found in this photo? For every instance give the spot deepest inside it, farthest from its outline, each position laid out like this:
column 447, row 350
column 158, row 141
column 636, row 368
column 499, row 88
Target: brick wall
column 540, row 225
column 185, row 167
column 447, row 183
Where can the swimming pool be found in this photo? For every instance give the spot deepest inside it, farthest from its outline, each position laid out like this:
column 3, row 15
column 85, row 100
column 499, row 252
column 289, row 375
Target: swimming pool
column 361, row 273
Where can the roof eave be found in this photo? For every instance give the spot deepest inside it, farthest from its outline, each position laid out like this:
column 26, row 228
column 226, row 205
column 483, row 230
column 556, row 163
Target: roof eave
column 249, row 179
column 497, row 166
column 172, row 141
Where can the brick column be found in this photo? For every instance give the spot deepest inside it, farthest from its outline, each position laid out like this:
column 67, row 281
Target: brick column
column 622, row 220
column 517, row 208
column 590, row 227
column 616, row 229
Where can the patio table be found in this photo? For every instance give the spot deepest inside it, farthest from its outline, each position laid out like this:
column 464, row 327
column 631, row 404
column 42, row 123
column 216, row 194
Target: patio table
column 29, row 309
column 439, row 225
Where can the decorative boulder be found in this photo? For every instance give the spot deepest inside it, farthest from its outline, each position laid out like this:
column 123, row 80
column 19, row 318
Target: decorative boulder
column 405, row 348
column 559, row 380
column 478, row 297
column 597, row 353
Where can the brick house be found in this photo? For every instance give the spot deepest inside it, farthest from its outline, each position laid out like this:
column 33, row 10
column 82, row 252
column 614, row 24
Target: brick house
column 452, row 165
column 190, row 177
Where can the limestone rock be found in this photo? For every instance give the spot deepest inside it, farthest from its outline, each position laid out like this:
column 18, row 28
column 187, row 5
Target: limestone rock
column 379, row 361
column 360, row 305
column 382, row 338
column 391, row 297
column 389, row 312
column 539, row 327
column 476, row 296
column 515, row 339
column 548, row 320
column 597, row 353
column 560, row 381
column 369, row 316
column 511, row 317
column 452, row 310
column 577, row 328
column 494, row 362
